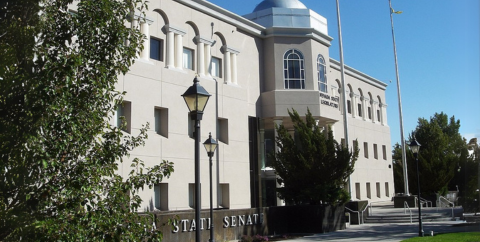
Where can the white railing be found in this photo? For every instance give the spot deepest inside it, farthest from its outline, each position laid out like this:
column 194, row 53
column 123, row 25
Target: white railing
column 405, row 206
column 365, row 208
column 448, row 201
column 347, row 224
column 370, row 209
column 358, row 214
column 422, row 202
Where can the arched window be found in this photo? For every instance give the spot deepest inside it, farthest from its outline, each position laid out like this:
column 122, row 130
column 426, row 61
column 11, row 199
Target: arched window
column 322, row 74
column 294, row 70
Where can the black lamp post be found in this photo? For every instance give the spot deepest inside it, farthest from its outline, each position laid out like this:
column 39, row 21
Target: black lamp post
column 210, row 145
column 196, row 98
column 415, row 147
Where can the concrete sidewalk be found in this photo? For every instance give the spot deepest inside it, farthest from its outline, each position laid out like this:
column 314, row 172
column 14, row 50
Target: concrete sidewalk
column 393, row 232
column 389, row 232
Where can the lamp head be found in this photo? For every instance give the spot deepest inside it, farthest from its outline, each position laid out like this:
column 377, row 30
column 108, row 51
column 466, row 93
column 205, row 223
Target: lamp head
column 414, row 146
column 210, row 145
column 196, row 97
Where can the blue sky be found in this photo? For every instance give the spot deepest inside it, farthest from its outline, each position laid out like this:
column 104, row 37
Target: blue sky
column 437, row 47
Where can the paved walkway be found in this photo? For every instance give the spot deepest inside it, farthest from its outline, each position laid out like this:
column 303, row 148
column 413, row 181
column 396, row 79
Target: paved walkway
column 391, row 232
column 388, row 232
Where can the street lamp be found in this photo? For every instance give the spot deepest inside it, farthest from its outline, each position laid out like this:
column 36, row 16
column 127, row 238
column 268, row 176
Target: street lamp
column 211, row 145
column 415, row 147
column 196, row 98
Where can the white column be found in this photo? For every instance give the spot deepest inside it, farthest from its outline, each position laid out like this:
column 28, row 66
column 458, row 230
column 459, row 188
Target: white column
column 261, row 151
column 234, row 68
column 383, row 111
column 226, row 68
column 200, row 57
column 364, row 107
column 354, row 104
column 144, row 27
column 374, row 112
column 170, row 49
column 208, row 60
column 178, row 51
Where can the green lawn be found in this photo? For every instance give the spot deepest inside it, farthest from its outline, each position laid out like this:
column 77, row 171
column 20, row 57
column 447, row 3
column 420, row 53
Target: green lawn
column 453, row 237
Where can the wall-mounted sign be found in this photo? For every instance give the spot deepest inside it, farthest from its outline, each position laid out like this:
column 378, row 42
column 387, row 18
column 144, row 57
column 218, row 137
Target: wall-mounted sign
column 186, row 225
column 329, row 101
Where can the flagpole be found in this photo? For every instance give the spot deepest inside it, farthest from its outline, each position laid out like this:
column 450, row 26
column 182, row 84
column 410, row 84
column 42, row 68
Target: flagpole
column 344, row 92
column 402, row 137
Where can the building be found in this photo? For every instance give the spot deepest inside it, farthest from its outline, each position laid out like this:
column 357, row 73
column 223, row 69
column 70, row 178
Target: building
column 256, row 67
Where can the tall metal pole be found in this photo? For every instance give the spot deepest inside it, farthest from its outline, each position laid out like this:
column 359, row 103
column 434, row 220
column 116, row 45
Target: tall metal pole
column 420, row 225
column 197, row 180
column 344, row 87
column 211, row 198
column 402, row 137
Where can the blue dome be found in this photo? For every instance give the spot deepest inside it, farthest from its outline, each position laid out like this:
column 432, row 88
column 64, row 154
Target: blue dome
column 266, row 4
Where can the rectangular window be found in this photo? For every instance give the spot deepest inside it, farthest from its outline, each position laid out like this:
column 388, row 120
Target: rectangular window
column 378, row 115
column 349, row 106
column 124, row 116
column 387, row 190
column 160, row 192
column 224, row 195
column 375, row 151
column 187, row 58
column 161, row 121
column 369, row 113
column 223, row 128
column 355, row 144
column 369, row 192
column 156, row 49
column 357, row 191
column 342, row 142
column 216, row 70
column 360, row 110
column 365, row 149
column 378, row 189
column 384, row 150
column 191, row 194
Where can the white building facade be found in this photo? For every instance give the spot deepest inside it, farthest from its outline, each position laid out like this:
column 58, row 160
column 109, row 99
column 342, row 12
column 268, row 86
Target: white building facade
column 256, row 67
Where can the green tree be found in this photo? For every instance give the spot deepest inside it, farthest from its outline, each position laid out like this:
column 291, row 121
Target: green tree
column 59, row 156
column 439, row 156
column 467, row 178
column 312, row 167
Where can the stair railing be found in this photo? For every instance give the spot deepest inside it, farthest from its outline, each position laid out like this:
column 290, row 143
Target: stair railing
column 425, row 201
column 365, row 208
column 448, row 201
column 358, row 214
column 405, row 206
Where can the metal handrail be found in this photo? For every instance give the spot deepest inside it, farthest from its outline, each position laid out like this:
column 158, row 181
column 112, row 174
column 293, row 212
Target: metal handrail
column 358, row 214
column 365, row 208
column 453, row 204
column 422, row 201
column 405, row 206
column 349, row 219
column 370, row 210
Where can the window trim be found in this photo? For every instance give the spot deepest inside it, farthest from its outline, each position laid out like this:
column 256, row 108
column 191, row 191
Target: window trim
column 219, row 68
column 322, row 79
column 287, row 61
column 188, row 64
column 160, row 48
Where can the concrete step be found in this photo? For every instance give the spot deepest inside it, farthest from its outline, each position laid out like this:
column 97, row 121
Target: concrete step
column 430, row 217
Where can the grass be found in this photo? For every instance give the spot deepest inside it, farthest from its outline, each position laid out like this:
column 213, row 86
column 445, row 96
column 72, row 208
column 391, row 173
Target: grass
column 456, row 237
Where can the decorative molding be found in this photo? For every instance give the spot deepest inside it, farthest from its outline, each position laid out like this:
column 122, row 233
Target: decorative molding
column 175, row 29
